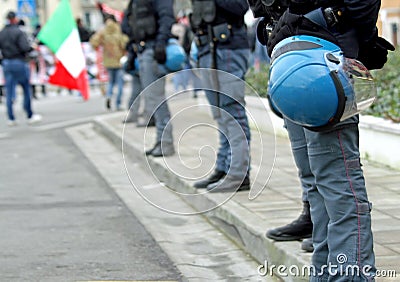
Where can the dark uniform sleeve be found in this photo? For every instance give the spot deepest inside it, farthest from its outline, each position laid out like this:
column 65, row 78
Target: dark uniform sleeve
column 165, row 18
column 125, row 24
column 237, row 7
column 363, row 14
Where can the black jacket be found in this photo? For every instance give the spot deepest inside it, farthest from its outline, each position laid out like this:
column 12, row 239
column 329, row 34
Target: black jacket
column 164, row 14
column 358, row 26
column 14, row 43
column 238, row 9
column 232, row 12
column 363, row 15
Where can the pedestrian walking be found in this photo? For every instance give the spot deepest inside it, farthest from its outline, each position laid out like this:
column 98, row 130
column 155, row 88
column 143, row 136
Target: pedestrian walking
column 149, row 24
column 38, row 65
column 313, row 84
column 15, row 47
column 113, row 42
column 221, row 38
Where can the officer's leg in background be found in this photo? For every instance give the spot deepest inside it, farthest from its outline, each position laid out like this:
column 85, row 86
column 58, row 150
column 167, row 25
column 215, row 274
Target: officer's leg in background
column 233, row 124
column 147, row 76
column 156, row 103
column 300, row 228
column 233, row 65
column 222, row 163
column 134, row 99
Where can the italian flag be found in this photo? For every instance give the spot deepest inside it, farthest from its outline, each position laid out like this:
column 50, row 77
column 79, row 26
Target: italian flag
column 61, row 35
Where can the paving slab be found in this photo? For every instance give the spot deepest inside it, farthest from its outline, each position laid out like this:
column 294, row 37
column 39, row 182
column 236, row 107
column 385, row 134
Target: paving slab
column 242, row 216
column 199, row 251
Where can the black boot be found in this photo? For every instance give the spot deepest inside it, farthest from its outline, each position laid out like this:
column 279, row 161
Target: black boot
column 300, row 228
column 161, row 150
column 230, row 184
column 132, row 117
column 214, row 177
column 150, row 151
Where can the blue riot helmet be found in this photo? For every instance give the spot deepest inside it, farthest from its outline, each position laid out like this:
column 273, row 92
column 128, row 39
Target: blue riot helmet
column 312, row 84
column 175, row 55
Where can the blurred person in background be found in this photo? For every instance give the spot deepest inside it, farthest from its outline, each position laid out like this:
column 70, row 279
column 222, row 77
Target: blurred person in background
column 84, row 33
column 114, row 43
column 37, row 64
column 15, row 47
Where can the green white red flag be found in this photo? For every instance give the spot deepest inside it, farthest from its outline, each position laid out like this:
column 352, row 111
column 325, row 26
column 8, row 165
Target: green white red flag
column 60, row 34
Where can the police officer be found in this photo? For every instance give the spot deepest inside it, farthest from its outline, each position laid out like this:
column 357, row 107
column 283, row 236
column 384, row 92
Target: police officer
column 150, row 22
column 340, row 209
column 131, row 67
column 14, row 46
column 222, row 44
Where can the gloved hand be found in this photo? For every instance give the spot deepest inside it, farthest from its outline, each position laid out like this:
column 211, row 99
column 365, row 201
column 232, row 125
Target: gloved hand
column 160, row 54
column 374, row 53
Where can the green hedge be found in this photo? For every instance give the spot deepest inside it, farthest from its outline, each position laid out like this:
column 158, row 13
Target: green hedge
column 387, row 104
column 258, row 80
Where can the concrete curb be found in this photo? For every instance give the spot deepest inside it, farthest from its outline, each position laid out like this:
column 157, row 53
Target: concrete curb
column 241, row 225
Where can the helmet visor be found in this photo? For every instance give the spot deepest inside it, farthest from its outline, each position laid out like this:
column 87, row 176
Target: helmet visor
column 357, row 84
column 363, row 87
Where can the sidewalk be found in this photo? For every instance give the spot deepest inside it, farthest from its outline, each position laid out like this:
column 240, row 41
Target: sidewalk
column 273, row 172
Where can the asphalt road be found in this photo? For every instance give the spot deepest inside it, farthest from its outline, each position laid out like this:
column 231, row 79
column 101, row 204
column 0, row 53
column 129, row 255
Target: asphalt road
column 59, row 220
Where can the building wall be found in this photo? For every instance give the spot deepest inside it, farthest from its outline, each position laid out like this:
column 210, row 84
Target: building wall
column 9, row 5
column 389, row 21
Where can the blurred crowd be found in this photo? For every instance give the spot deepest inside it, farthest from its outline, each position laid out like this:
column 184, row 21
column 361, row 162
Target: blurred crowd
column 41, row 60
